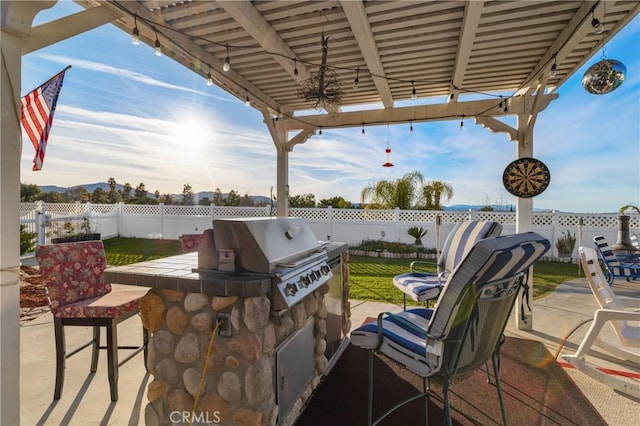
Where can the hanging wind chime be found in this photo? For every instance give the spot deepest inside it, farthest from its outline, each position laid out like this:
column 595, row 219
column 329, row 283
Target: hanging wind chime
column 387, row 151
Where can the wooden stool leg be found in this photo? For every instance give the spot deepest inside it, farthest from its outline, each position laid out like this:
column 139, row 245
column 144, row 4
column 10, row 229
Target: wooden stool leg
column 145, row 342
column 61, row 355
column 112, row 358
column 95, row 351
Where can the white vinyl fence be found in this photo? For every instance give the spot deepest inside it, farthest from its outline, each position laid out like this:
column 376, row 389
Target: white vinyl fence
column 345, row 225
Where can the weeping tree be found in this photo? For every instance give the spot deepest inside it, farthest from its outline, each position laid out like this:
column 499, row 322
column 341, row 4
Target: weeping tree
column 387, row 194
column 433, row 191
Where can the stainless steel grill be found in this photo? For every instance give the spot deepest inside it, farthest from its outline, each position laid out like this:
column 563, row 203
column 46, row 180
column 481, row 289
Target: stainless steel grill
column 285, row 249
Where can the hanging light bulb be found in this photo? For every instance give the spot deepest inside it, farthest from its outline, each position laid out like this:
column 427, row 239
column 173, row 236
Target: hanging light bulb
column 209, row 78
column 414, row 94
column 387, row 152
column 135, row 34
column 554, row 67
column 227, row 62
column 461, row 123
column 411, row 126
column 598, row 27
column 296, row 74
column 356, row 81
column 158, row 49
column 363, row 130
column 247, row 101
column 320, row 132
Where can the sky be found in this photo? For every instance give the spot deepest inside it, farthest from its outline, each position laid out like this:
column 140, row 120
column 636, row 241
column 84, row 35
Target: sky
column 128, row 114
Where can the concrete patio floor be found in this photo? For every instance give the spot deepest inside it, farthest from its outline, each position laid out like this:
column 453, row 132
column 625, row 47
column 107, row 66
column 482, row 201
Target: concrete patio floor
column 85, row 396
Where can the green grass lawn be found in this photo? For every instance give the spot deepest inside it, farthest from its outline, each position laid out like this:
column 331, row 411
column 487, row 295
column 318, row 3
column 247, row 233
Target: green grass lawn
column 370, row 278
column 123, row 251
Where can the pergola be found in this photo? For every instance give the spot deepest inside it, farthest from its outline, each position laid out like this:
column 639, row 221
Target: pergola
column 461, row 59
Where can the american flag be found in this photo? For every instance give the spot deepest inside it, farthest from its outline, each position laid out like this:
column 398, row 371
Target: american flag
column 36, row 114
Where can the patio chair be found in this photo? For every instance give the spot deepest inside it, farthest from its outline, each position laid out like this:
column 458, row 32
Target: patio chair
column 465, row 329
column 425, row 286
column 616, row 267
column 620, row 318
column 190, row 242
column 72, row 274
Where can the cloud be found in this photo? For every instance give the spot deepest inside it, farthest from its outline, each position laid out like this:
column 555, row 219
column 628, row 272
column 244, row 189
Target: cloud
column 121, row 73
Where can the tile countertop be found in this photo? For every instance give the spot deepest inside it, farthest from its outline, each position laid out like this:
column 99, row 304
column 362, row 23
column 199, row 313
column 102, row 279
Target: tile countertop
column 176, row 273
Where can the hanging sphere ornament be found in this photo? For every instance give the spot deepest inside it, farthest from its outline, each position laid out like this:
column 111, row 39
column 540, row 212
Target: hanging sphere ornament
column 604, row 76
column 388, row 163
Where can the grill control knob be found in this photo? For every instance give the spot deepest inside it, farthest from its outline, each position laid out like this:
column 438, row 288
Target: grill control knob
column 291, row 289
column 325, row 269
column 304, row 280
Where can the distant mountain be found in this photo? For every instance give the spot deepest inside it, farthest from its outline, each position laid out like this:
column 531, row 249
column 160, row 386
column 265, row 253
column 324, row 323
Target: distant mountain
column 495, row 207
column 197, row 196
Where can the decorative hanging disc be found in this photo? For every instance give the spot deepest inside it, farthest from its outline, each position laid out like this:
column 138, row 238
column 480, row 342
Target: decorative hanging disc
column 604, row 76
column 526, row 177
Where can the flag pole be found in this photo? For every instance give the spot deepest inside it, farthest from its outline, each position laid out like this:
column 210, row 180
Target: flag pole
column 64, row 70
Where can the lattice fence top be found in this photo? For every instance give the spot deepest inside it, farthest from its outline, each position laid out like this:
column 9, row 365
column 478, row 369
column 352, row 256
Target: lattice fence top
column 27, row 209
column 187, row 210
column 239, row 211
column 141, row 209
column 310, row 214
column 65, row 209
column 349, row 215
column 103, row 208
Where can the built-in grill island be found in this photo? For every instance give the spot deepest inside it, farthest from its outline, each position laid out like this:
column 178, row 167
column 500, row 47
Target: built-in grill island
column 281, row 298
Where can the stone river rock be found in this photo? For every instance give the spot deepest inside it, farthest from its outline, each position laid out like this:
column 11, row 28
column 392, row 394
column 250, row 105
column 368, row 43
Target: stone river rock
column 164, row 341
column 187, row 349
column 195, row 301
column 256, row 312
column 229, row 387
column 258, row 383
column 152, row 311
column 249, row 346
column 177, row 320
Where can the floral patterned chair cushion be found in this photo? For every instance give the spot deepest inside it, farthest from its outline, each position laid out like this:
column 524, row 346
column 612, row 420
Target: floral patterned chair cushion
column 73, row 276
column 190, row 242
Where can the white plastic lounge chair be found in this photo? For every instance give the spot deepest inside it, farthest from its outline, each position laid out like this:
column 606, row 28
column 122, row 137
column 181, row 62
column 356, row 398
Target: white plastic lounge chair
column 424, row 286
column 624, row 322
column 465, row 329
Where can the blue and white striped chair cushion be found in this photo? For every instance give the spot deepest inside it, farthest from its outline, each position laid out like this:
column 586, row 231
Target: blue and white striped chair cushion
column 404, row 335
column 419, row 286
column 616, row 267
column 423, row 286
column 404, row 338
column 490, row 259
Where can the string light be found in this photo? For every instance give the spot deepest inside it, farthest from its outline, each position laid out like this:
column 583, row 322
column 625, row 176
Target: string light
column 227, row 62
column 363, row 130
column 554, row 67
column 247, row 101
column 320, row 132
column 209, row 78
column 158, row 49
column 356, row 81
column 135, row 34
column 296, row 74
column 411, row 126
column 462, row 122
column 598, row 27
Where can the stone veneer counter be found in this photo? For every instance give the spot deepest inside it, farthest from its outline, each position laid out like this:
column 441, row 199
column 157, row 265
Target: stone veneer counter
column 229, row 378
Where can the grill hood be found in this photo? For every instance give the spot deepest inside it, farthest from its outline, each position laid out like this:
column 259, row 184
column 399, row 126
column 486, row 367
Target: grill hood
column 263, row 244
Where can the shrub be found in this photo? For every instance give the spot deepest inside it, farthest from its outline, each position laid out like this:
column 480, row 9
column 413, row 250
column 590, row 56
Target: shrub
column 417, row 233
column 566, row 243
column 27, row 240
column 381, row 245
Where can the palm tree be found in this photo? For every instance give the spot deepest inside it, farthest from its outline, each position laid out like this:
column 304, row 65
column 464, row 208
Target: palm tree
column 388, row 194
column 433, row 192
